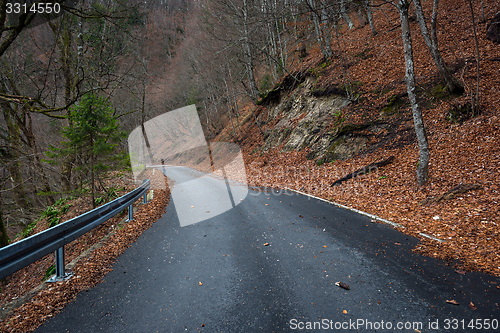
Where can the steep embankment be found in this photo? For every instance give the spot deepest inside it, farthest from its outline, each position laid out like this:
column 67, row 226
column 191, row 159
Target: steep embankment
column 309, row 135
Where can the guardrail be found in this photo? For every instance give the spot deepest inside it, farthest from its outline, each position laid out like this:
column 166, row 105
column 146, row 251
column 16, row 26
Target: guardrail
column 18, row 255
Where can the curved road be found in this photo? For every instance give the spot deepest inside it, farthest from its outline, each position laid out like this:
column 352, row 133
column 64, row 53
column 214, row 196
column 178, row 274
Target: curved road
column 270, row 265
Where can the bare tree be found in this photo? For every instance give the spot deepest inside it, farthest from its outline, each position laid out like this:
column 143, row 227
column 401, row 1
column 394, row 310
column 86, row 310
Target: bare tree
column 423, row 145
column 453, row 85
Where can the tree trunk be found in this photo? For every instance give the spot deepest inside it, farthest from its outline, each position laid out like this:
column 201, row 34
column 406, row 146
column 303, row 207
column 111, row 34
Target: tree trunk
column 63, row 40
column 92, row 181
column 475, row 97
column 423, row 145
column 323, row 39
column 344, row 14
column 369, row 12
column 14, row 163
column 326, row 33
column 453, row 85
column 4, row 239
column 254, row 91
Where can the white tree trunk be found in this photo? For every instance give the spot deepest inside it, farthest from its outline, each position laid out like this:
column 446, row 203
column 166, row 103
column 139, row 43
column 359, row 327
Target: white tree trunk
column 423, row 145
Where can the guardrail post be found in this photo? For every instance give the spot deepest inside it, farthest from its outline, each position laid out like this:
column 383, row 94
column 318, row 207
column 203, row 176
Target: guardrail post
column 60, row 274
column 145, row 201
column 130, row 212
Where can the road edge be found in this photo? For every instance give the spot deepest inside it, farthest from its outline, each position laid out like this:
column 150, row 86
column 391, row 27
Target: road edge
column 373, row 217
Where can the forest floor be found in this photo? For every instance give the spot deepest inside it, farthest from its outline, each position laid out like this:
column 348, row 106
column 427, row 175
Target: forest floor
column 462, row 152
column 27, row 301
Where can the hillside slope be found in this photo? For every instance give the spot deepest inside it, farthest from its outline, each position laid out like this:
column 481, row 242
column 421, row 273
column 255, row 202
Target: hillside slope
column 464, row 149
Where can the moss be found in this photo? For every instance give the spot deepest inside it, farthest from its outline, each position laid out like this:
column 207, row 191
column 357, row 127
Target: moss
column 440, row 91
column 347, row 128
column 394, row 103
column 270, row 96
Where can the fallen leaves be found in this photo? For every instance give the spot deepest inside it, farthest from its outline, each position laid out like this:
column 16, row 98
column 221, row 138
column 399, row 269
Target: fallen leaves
column 472, row 306
column 452, row 301
column 342, row 285
column 266, row 244
column 200, row 284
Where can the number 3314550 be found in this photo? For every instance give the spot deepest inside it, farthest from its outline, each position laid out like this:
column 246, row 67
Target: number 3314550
column 36, row 8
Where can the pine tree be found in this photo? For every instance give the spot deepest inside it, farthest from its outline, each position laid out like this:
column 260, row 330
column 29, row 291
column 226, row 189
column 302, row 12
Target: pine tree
column 92, row 137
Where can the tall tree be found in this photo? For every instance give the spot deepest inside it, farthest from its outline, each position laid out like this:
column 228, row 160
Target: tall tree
column 423, row 144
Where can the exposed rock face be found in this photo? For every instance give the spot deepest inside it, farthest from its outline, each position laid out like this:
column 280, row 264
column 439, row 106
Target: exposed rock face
column 305, row 119
column 493, row 32
column 305, row 123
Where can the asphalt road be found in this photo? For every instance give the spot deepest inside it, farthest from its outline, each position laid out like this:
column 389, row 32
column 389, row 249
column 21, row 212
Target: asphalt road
column 217, row 274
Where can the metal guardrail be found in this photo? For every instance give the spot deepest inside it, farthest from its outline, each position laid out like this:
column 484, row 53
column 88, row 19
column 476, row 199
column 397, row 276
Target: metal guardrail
column 18, row 255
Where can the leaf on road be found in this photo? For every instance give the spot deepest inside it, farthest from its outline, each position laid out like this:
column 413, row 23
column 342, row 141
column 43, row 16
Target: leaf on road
column 200, row 284
column 397, row 243
column 459, row 271
column 325, row 246
column 301, row 216
column 342, row 285
column 344, row 312
column 452, row 302
column 192, row 206
column 472, row 306
column 266, row 244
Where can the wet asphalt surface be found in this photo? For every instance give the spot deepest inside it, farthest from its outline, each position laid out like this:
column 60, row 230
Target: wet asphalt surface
column 270, row 265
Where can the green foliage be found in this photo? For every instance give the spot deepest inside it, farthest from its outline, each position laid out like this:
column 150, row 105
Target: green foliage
column 53, row 213
column 339, row 118
column 93, row 134
column 111, row 193
column 50, row 271
column 27, row 231
column 92, row 138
